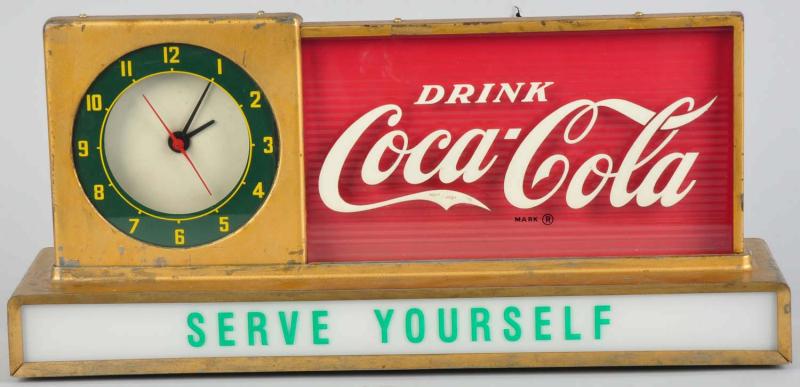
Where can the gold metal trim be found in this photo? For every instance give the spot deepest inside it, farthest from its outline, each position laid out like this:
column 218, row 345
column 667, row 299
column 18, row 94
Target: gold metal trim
column 413, row 274
column 737, row 22
column 37, row 288
column 400, row 362
column 515, row 25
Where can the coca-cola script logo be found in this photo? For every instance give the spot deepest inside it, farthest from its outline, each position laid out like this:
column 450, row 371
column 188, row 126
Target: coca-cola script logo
column 578, row 118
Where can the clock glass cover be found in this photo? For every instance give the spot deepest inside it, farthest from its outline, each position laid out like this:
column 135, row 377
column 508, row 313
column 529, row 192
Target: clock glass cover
column 175, row 145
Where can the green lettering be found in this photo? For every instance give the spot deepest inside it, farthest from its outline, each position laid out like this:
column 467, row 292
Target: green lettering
column 599, row 320
column 513, row 332
column 384, row 321
column 415, row 312
column 568, row 334
column 224, row 328
column 318, row 326
column 198, row 339
column 540, row 322
column 256, row 323
column 453, row 325
column 479, row 318
column 289, row 329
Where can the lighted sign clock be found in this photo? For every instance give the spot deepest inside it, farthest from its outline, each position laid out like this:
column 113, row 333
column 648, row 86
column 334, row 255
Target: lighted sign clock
column 175, row 145
column 243, row 193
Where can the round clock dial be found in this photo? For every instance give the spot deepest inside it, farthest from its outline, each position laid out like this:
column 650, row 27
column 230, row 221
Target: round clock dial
column 175, row 145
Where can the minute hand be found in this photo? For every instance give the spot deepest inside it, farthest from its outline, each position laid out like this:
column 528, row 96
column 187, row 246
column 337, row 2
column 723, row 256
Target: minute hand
column 197, row 106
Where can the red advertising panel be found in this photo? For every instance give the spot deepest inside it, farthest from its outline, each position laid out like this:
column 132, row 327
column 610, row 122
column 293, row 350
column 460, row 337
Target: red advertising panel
column 526, row 145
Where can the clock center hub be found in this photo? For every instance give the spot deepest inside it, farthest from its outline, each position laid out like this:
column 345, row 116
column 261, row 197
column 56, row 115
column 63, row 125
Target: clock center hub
column 178, row 142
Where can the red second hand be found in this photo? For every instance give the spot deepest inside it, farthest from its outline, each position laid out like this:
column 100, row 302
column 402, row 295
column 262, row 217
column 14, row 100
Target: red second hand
column 178, row 144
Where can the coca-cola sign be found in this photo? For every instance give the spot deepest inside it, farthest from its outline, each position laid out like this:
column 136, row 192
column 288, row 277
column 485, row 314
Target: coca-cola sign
column 598, row 143
column 449, row 170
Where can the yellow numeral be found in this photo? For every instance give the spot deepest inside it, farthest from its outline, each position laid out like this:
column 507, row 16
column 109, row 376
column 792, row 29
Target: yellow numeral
column 134, row 224
column 83, row 148
column 258, row 191
column 99, row 192
column 126, row 68
column 180, row 236
column 256, row 96
column 219, row 66
column 224, row 226
column 268, row 145
column 171, row 54
column 94, row 102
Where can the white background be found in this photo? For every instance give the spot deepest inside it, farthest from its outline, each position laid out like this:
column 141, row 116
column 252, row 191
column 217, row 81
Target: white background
column 772, row 168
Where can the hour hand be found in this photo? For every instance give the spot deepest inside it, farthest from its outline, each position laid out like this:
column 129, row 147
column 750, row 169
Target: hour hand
column 200, row 128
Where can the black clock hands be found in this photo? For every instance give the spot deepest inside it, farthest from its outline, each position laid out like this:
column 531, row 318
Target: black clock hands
column 179, row 140
column 200, row 128
column 197, row 106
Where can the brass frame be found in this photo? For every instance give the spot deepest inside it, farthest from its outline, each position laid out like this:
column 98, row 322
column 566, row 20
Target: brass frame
column 550, row 279
column 78, row 48
column 85, row 267
column 94, row 256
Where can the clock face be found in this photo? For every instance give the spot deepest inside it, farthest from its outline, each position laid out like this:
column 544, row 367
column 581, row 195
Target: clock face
column 175, row 145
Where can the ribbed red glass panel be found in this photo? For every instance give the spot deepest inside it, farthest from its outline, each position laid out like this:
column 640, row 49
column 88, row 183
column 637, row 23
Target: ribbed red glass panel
column 344, row 78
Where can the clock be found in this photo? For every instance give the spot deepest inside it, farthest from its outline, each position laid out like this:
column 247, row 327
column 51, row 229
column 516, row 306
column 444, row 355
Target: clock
column 175, row 145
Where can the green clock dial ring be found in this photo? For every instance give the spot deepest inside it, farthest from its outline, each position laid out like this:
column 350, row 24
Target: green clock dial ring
column 175, row 145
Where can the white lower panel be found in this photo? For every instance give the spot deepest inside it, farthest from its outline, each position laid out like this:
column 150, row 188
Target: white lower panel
column 708, row 321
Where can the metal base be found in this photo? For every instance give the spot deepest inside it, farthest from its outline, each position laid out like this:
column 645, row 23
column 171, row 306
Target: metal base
column 758, row 273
